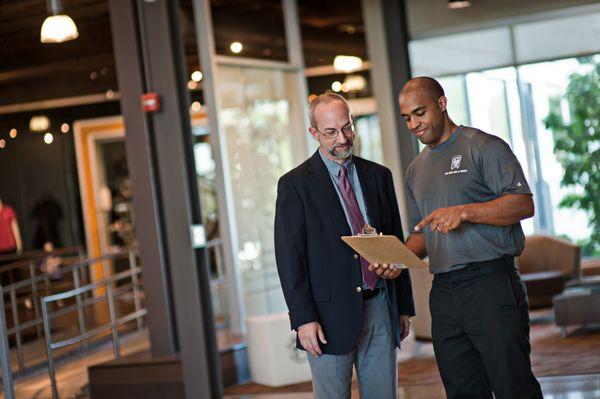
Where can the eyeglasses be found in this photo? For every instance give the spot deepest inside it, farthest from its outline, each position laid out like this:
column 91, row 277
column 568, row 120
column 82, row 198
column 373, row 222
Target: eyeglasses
column 333, row 133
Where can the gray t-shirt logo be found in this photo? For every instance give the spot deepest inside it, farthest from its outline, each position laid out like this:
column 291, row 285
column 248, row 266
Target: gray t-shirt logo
column 455, row 164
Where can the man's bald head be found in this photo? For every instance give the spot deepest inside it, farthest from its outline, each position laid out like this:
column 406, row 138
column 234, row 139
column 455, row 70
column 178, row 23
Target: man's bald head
column 424, row 84
column 326, row 98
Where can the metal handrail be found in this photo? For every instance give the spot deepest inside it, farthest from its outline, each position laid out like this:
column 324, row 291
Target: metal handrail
column 79, row 293
column 22, row 259
column 86, row 288
column 112, row 325
column 85, row 302
column 64, row 270
column 77, row 269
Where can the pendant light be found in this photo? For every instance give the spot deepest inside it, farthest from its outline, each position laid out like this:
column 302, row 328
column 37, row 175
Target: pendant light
column 57, row 27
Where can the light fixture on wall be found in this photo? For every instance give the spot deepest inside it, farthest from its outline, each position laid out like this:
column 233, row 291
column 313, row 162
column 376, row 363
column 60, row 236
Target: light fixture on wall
column 39, row 123
column 456, row 4
column 57, row 27
column 354, row 83
column 347, row 63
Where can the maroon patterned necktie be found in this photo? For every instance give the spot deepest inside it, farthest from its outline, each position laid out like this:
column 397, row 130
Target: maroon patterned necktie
column 357, row 220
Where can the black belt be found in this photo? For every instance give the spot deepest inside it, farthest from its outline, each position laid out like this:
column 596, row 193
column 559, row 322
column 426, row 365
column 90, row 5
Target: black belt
column 370, row 294
column 494, row 266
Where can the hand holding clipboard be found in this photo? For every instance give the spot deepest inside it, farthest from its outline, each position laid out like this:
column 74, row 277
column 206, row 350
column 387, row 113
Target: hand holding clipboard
column 383, row 249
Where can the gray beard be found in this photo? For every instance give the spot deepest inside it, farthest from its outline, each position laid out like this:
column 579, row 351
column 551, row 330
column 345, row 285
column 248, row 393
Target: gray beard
column 341, row 155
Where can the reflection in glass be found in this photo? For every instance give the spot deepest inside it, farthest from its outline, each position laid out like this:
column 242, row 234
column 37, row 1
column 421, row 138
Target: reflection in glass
column 368, row 140
column 249, row 28
column 207, row 181
column 255, row 123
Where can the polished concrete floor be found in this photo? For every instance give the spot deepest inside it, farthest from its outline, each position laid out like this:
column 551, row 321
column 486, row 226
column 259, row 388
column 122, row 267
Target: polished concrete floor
column 567, row 387
column 72, row 377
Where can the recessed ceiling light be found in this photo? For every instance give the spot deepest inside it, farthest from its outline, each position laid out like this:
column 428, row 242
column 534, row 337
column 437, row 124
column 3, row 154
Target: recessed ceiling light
column 196, row 106
column 196, row 76
column 192, row 85
column 48, row 138
column 236, row 47
column 456, row 4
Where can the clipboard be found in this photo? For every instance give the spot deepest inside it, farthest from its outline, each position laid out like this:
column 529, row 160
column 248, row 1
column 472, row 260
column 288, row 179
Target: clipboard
column 384, row 249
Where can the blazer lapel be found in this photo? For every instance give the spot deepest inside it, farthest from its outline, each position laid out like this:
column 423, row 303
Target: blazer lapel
column 368, row 183
column 321, row 183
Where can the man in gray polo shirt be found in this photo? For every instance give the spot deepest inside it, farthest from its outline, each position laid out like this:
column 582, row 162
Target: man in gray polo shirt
column 466, row 197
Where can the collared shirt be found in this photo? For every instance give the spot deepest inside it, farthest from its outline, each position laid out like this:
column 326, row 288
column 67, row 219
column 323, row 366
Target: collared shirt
column 334, row 170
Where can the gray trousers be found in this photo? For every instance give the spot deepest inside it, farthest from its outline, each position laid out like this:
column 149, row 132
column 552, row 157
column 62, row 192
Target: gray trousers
column 374, row 358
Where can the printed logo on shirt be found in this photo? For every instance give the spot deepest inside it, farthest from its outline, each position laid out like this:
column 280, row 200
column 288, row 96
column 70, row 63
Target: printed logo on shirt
column 455, row 165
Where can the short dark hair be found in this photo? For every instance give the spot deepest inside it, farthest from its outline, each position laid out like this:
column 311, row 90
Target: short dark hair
column 429, row 85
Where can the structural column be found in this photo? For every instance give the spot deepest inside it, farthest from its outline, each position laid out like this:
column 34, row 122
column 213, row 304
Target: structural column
column 150, row 58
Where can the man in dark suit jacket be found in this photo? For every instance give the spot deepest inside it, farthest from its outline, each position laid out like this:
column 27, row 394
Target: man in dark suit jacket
column 345, row 311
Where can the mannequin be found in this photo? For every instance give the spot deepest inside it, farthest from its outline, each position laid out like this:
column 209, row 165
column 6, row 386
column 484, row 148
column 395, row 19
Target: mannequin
column 10, row 235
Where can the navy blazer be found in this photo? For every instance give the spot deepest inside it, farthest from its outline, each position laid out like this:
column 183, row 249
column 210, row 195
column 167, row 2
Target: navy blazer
column 319, row 273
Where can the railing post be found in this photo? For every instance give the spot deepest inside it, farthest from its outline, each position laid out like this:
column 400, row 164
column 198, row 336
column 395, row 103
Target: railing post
column 48, row 333
column 84, row 276
column 7, row 380
column 46, row 277
column 36, row 299
column 15, row 314
column 113, row 318
column 80, row 314
column 136, row 288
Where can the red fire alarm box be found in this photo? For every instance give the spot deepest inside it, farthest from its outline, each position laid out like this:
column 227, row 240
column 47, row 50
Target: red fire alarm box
column 150, row 102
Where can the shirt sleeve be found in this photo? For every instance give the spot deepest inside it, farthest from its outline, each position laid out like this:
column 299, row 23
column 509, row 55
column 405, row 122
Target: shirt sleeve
column 414, row 214
column 11, row 214
column 502, row 171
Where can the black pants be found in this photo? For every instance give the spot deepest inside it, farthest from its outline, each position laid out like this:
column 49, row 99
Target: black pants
column 480, row 329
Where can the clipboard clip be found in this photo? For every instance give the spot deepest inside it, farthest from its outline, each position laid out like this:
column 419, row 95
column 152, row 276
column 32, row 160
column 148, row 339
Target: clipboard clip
column 368, row 230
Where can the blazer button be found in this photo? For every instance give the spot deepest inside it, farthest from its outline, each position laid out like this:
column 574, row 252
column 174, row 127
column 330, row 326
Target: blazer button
column 355, row 256
column 359, row 289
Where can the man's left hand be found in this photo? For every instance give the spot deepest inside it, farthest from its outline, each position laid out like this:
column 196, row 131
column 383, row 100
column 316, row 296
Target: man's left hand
column 444, row 219
column 405, row 325
column 386, row 271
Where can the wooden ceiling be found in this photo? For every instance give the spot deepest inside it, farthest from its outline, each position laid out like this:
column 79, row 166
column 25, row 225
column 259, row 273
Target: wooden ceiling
column 32, row 71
